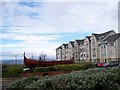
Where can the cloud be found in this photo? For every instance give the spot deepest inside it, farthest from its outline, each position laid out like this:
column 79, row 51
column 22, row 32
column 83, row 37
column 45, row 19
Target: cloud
column 39, row 26
column 60, row 0
column 63, row 17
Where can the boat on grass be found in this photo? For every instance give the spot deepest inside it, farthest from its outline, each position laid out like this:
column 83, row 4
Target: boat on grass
column 38, row 63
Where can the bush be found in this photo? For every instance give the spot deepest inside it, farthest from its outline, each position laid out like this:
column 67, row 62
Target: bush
column 12, row 71
column 70, row 67
column 64, row 67
column 51, row 68
column 91, row 79
column 21, row 83
column 89, row 65
column 41, row 69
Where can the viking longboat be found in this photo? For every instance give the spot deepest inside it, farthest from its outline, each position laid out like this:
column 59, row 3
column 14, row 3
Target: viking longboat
column 37, row 63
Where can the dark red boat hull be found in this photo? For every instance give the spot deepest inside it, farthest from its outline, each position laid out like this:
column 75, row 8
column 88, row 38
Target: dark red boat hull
column 34, row 63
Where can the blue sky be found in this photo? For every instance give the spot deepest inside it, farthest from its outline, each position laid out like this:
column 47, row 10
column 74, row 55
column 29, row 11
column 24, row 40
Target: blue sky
column 40, row 27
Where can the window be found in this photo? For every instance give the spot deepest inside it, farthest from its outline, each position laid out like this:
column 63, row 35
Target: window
column 112, row 52
column 94, row 60
column 93, row 41
column 94, row 54
column 81, row 49
column 86, row 55
column 100, row 38
column 86, row 50
column 81, row 43
column 103, row 46
column 93, row 49
column 103, row 54
column 111, row 44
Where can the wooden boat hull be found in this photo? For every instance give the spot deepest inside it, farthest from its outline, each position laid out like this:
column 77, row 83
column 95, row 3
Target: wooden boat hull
column 34, row 63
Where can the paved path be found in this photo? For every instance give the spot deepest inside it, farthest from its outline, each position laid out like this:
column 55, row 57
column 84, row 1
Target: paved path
column 0, row 83
column 7, row 81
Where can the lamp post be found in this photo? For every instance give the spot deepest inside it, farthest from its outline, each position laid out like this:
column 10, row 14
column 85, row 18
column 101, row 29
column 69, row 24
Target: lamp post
column 16, row 59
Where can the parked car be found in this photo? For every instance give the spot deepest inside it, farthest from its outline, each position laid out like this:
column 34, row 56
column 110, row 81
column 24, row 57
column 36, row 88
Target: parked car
column 100, row 64
column 111, row 64
column 106, row 64
column 114, row 63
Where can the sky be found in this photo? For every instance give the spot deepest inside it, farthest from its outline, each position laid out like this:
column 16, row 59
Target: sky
column 39, row 27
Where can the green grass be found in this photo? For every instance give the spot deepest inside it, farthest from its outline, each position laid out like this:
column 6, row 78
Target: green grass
column 65, row 67
column 9, row 71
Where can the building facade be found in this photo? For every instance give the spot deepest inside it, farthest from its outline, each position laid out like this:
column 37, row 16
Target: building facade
column 87, row 46
column 109, row 48
column 70, row 50
column 59, row 53
column 64, row 53
column 102, row 47
column 96, row 39
column 78, row 50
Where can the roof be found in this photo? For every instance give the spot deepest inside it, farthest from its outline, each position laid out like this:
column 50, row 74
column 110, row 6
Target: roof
column 72, row 43
column 88, row 37
column 80, row 41
column 60, row 47
column 65, row 45
column 102, row 34
column 77, row 40
column 111, row 38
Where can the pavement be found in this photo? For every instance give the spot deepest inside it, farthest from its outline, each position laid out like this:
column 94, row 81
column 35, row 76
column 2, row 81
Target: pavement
column 4, row 82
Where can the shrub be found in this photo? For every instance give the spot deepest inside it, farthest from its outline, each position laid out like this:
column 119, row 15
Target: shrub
column 70, row 67
column 21, row 83
column 12, row 71
column 41, row 69
column 64, row 67
column 91, row 79
column 89, row 65
column 51, row 68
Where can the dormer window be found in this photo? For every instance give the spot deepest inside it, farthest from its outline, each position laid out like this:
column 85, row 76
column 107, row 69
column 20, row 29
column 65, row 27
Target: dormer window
column 111, row 44
column 93, row 41
column 100, row 38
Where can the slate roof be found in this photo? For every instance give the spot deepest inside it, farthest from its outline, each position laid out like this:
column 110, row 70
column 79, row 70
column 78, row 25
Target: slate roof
column 77, row 40
column 88, row 37
column 102, row 34
column 80, row 41
column 65, row 45
column 72, row 43
column 111, row 38
column 60, row 47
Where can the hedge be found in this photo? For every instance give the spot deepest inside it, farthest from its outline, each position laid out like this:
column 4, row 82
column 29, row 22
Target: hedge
column 65, row 67
column 12, row 70
column 91, row 79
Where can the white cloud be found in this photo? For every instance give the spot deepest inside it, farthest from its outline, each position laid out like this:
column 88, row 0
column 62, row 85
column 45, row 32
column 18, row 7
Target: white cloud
column 61, row 0
column 65, row 17
column 29, row 24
